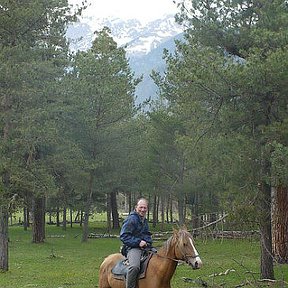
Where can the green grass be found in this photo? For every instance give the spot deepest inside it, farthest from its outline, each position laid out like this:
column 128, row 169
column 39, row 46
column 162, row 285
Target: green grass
column 66, row 262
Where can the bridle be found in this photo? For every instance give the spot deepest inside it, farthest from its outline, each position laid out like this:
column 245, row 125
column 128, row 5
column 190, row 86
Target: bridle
column 190, row 256
column 166, row 257
column 185, row 257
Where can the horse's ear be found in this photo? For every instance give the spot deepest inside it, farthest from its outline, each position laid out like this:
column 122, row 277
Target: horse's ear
column 175, row 229
column 184, row 227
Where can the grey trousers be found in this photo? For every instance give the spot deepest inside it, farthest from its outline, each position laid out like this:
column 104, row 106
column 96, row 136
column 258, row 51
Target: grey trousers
column 134, row 256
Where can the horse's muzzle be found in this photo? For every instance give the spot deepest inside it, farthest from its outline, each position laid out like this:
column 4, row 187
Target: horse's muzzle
column 195, row 263
column 195, row 266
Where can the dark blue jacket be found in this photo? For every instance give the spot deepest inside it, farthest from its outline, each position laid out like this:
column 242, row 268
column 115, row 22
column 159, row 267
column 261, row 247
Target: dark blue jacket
column 134, row 230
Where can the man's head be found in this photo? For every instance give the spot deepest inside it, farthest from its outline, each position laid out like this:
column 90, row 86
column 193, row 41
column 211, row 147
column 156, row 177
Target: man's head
column 141, row 207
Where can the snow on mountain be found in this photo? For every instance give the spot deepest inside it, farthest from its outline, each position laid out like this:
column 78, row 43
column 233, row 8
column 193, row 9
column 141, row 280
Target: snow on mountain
column 139, row 38
column 144, row 44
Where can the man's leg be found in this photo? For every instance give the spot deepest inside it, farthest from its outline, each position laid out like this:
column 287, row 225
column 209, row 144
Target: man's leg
column 133, row 256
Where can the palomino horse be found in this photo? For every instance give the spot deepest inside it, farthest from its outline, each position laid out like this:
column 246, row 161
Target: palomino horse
column 162, row 265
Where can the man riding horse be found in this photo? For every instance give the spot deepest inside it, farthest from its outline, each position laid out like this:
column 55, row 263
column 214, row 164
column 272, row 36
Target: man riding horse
column 135, row 236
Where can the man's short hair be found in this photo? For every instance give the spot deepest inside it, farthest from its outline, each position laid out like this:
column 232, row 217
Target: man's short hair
column 141, row 199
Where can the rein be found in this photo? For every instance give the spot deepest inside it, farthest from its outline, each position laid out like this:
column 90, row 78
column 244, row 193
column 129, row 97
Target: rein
column 166, row 257
column 174, row 259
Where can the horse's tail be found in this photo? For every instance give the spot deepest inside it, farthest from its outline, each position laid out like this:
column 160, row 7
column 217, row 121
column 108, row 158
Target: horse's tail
column 103, row 276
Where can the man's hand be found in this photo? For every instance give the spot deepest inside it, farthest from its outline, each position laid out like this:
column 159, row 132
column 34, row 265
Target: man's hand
column 142, row 244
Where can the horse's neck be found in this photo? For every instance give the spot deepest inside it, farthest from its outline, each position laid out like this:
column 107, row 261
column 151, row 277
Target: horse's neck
column 167, row 260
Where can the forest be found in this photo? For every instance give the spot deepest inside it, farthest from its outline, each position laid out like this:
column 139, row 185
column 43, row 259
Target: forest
column 214, row 142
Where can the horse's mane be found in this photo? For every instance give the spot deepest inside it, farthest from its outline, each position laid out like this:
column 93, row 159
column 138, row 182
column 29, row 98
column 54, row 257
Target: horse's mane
column 177, row 237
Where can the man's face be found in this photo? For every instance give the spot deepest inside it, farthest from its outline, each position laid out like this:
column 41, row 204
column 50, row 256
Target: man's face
column 141, row 208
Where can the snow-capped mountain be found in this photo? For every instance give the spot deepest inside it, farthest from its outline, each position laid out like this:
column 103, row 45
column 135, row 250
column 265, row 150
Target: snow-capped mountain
column 140, row 42
column 139, row 38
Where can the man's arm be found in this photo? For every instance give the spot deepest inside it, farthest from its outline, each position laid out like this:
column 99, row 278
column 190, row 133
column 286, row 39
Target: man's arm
column 128, row 233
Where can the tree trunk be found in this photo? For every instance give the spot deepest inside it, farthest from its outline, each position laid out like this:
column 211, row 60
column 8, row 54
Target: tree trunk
column 149, row 207
column 181, row 196
column 194, row 212
column 85, row 222
column 50, row 217
column 38, row 227
column 71, row 218
column 162, row 211
column 81, row 218
column 5, row 108
column 280, row 224
column 114, row 210
column 57, row 217
column 3, row 238
column 129, row 202
column 212, row 219
column 64, row 224
column 157, row 209
column 171, row 209
column 77, row 217
column 154, row 210
column 181, row 209
column 267, row 271
column 108, row 213
column 87, row 208
column 25, row 218
column 26, row 212
column 167, row 209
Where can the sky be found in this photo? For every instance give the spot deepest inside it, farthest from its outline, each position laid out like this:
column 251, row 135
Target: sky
column 143, row 10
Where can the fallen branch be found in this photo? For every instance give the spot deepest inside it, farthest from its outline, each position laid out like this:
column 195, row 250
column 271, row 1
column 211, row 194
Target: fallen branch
column 244, row 284
column 211, row 223
column 198, row 281
column 267, row 280
column 222, row 273
column 96, row 236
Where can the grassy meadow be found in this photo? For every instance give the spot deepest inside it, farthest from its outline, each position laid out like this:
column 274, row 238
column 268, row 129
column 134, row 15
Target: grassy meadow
column 64, row 262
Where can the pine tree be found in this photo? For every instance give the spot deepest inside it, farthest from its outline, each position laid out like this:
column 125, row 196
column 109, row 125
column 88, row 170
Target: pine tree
column 33, row 53
column 103, row 98
column 228, row 76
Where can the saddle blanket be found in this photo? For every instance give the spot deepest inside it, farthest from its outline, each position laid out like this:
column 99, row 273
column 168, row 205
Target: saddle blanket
column 120, row 270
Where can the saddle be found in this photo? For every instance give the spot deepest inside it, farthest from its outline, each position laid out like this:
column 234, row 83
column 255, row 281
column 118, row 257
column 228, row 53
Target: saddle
column 120, row 269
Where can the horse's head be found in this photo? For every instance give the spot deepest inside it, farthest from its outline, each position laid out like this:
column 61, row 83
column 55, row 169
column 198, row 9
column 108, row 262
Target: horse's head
column 185, row 249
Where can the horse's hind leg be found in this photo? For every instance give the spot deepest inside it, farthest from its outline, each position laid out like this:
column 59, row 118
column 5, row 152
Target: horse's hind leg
column 103, row 283
column 103, row 278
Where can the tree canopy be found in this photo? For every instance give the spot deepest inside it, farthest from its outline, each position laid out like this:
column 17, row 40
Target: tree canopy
column 214, row 141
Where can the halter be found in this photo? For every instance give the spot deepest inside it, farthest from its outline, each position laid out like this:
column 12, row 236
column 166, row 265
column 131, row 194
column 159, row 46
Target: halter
column 174, row 259
column 185, row 257
column 188, row 256
column 166, row 257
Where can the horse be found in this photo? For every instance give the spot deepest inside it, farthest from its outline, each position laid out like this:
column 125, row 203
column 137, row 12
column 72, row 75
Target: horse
column 162, row 265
